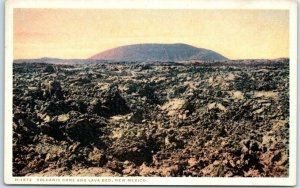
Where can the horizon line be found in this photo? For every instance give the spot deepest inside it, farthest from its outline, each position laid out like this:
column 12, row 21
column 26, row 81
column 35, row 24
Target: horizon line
column 39, row 58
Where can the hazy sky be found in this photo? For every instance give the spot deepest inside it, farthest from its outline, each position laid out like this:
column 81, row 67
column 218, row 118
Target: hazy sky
column 81, row 33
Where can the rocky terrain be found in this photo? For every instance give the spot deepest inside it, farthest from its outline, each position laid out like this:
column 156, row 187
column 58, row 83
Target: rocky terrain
column 157, row 119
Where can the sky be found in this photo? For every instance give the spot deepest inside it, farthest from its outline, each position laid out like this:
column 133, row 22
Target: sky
column 82, row 33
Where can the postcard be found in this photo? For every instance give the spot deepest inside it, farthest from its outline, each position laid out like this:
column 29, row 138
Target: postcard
column 150, row 92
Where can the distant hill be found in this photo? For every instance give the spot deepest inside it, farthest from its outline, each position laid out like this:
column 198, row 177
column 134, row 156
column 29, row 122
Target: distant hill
column 158, row 52
column 59, row 61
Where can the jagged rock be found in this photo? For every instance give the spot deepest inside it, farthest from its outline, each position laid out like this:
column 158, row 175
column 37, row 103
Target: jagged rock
column 52, row 89
column 49, row 69
column 112, row 104
column 97, row 157
column 209, row 119
column 85, row 131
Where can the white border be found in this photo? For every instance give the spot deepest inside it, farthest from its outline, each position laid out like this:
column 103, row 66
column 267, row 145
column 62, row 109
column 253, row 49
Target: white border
column 290, row 5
